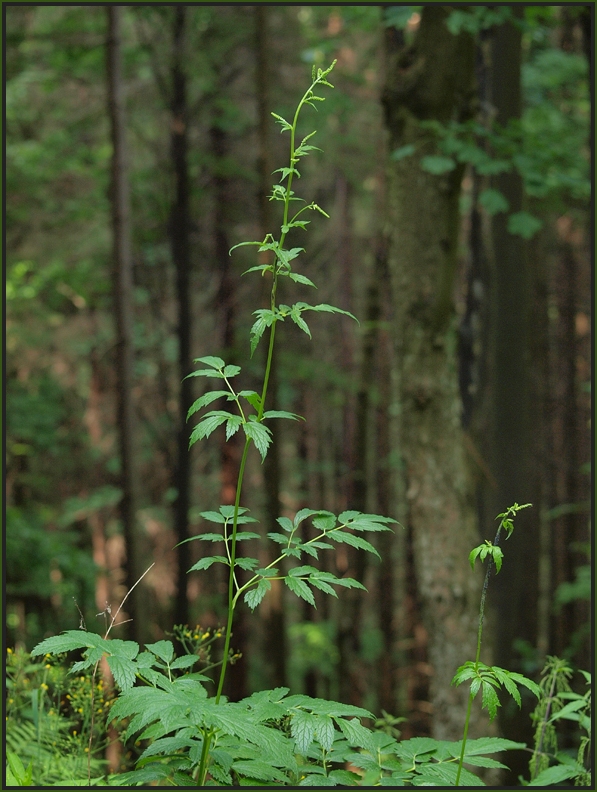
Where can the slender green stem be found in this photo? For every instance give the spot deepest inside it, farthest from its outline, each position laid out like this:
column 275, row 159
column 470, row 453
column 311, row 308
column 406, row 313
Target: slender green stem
column 496, row 542
column 239, row 485
column 464, row 736
column 207, row 739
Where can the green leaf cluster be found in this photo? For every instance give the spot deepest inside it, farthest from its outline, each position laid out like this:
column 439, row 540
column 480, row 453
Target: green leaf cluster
column 488, row 679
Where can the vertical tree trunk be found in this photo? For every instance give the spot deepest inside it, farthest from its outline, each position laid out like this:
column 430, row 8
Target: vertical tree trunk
column 274, row 627
column 180, row 248
column 423, row 224
column 513, row 423
column 351, row 671
column 123, row 303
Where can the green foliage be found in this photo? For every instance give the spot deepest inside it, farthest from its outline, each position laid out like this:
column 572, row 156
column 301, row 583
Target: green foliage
column 547, row 146
column 558, row 702
column 48, row 720
column 489, row 679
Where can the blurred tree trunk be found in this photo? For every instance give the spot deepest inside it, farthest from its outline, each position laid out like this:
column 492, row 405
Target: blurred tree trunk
column 514, row 425
column 181, row 258
column 124, row 307
column 274, row 626
column 390, row 566
column 226, row 313
column 423, row 226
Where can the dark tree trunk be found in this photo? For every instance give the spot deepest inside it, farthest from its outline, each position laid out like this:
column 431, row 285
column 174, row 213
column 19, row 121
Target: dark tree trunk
column 181, row 258
column 514, row 424
column 274, row 627
column 123, row 304
column 423, row 225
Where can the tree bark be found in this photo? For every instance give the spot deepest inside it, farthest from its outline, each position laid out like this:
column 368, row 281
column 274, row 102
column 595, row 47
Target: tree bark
column 274, row 649
column 123, row 305
column 181, row 258
column 423, row 225
column 513, row 423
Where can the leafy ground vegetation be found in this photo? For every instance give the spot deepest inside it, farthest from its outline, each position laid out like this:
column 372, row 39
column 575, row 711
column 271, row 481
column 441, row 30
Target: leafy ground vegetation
column 167, row 709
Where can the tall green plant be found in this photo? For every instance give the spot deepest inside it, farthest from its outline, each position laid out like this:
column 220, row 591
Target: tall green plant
column 488, row 679
column 191, row 739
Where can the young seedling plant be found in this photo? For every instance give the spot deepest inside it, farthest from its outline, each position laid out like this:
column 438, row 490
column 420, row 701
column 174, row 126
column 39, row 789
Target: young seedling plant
column 192, row 739
column 488, row 679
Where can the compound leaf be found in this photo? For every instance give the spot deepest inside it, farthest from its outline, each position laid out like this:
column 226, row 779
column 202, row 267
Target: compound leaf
column 260, row 435
column 301, row 589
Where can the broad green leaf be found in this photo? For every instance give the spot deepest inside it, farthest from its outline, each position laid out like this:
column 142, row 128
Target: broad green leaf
column 527, row 683
column 295, row 276
column 282, row 414
column 324, row 521
column 553, row 775
column 302, row 570
column 206, row 427
column 508, row 683
column 205, row 563
column 324, row 731
column 246, row 563
column 260, row 435
column 231, row 371
column 233, row 425
column 286, row 172
column 356, row 733
column 349, row 583
column 254, row 596
column 322, row 585
column 208, row 398
column 302, row 728
column 206, row 373
column 227, row 511
column 323, row 707
column 409, row 751
column 295, row 315
column 365, row 522
column 324, row 308
column 319, row 546
column 490, row 699
column 484, row 745
column 67, row 642
column 258, row 769
column 303, row 514
column 353, row 541
column 123, row 671
column 444, row 775
column 265, row 319
column 212, row 516
column 279, row 538
column 208, row 537
column 214, row 362
column 252, row 397
column 301, row 589
column 285, row 523
column 162, row 649
column 244, row 535
column 186, row 661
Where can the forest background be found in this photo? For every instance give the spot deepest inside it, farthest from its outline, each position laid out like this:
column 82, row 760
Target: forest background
column 460, row 235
